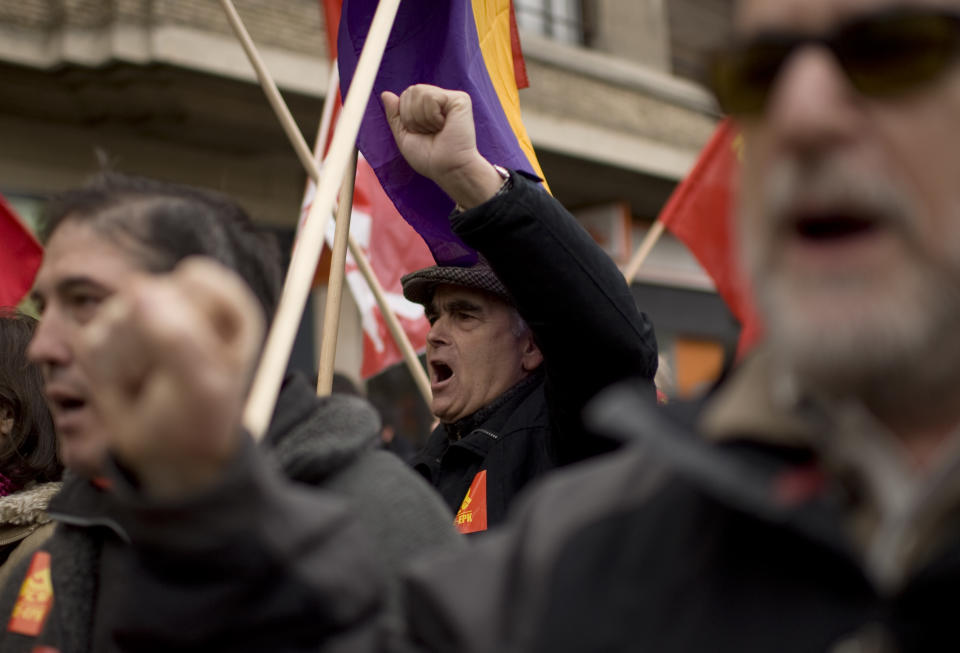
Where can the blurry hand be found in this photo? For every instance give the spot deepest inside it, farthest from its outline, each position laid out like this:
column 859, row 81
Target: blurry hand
column 169, row 359
column 434, row 131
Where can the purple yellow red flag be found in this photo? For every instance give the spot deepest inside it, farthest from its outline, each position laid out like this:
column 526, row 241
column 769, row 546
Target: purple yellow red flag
column 20, row 256
column 455, row 44
column 699, row 214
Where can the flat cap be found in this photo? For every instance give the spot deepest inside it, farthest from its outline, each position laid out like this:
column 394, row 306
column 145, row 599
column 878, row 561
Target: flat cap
column 419, row 286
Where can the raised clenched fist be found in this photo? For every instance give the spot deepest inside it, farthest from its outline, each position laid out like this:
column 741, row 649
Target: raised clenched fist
column 170, row 359
column 435, row 133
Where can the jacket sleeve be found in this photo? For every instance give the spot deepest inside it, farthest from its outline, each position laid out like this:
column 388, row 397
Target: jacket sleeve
column 253, row 564
column 572, row 295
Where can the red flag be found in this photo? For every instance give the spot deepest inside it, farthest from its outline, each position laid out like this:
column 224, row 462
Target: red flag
column 20, row 256
column 391, row 245
column 393, row 249
column 331, row 15
column 699, row 214
column 519, row 65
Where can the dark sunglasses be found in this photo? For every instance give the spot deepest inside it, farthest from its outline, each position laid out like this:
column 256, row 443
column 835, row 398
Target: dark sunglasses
column 883, row 54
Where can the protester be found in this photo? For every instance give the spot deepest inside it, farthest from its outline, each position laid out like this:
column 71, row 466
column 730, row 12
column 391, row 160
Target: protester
column 29, row 468
column 119, row 231
column 509, row 395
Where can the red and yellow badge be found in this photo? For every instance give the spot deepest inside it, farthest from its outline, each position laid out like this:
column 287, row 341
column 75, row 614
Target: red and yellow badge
column 472, row 516
column 36, row 598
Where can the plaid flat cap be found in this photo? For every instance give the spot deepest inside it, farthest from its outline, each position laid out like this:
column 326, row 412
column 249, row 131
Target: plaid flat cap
column 419, row 286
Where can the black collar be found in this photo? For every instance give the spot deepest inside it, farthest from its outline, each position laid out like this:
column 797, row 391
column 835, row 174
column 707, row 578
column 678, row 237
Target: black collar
column 512, row 397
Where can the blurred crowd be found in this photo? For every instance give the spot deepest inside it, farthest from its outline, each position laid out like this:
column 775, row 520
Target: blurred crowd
column 804, row 503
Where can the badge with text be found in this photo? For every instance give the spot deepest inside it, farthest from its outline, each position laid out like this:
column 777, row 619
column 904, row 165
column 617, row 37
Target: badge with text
column 35, row 599
column 472, row 516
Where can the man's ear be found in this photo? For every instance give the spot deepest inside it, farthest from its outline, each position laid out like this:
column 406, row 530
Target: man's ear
column 531, row 356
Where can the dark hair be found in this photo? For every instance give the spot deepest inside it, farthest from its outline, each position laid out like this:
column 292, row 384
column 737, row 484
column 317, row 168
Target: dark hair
column 162, row 223
column 29, row 452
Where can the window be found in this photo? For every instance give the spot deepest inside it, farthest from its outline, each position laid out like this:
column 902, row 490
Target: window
column 561, row 20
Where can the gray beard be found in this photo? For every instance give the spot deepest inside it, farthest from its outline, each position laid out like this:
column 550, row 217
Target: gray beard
column 902, row 358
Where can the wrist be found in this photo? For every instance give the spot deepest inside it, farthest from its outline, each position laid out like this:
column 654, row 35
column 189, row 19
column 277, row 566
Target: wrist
column 473, row 184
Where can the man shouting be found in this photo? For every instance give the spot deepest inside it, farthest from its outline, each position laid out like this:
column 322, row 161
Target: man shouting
column 522, row 339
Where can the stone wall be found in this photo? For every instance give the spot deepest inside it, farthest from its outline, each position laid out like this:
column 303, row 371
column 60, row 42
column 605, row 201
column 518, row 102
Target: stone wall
column 296, row 25
column 696, row 27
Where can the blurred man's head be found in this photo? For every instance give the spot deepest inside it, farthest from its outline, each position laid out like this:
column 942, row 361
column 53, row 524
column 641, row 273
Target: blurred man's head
column 101, row 237
column 850, row 208
column 478, row 346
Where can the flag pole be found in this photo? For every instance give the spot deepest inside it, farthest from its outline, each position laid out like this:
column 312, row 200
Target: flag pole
column 303, row 264
column 266, row 82
column 313, row 170
column 640, row 257
column 331, row 311
column 326, row 117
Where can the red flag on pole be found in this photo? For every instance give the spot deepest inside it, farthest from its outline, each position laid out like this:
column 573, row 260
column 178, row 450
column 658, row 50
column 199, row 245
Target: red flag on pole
column 391, row 245
column 393, row 249
column 699, row 214
column 20, row 256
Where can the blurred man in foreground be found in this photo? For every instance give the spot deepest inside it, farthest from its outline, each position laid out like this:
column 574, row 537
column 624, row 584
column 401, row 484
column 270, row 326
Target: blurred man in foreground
column 813, row 507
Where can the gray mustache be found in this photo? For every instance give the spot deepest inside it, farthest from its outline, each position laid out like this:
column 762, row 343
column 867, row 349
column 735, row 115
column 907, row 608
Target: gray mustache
column 795, row 190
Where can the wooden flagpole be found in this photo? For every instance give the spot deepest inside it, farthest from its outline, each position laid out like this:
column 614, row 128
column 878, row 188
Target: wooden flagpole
column 326, row 117
column 266, row 383
column 331, row 311
column 266, row 82
column 328, row 343
column 640, row 257
column 313, row 170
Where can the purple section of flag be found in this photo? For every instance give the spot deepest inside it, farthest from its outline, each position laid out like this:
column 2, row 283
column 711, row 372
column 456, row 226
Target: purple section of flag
column 432, row 42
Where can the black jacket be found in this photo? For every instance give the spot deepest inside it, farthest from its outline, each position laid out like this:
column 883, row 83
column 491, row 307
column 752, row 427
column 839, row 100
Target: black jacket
column 509, row 439
column 585, row 322
column 108, row 596
column 676, row 544
column 213, row 564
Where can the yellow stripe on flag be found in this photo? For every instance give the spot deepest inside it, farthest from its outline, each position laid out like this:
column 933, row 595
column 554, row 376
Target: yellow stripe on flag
column 493, row 28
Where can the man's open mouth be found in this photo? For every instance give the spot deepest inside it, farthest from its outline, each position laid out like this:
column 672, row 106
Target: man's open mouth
column 63, row 402
column 71, row 404
column 825, row 228
column 440, row 372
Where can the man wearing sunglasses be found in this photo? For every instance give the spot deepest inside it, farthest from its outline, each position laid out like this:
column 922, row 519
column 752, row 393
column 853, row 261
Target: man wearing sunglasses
column 813, row 505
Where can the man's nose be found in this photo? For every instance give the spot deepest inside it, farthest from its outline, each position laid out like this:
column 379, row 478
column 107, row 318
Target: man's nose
column 813, row 105
column 437, row 335
column 50, row 345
